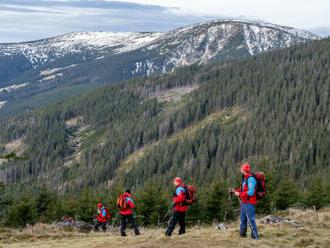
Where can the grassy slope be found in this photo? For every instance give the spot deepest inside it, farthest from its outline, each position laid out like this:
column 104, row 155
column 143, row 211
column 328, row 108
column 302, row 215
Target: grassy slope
column 314, row 233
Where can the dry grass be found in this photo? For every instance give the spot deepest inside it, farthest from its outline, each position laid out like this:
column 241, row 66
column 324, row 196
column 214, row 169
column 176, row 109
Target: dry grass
column 314, row 233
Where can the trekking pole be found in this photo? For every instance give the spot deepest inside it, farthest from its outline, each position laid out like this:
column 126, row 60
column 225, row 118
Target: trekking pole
column 241, row 203
column 227, row 206
column 166, row 215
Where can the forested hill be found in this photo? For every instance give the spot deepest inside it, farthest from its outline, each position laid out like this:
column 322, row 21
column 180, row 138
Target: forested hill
column 199, row 122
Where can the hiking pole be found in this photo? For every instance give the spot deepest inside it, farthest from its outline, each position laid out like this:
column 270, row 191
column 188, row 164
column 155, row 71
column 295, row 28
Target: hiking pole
column 241, row 203
column 167, row 214
column 227, row 205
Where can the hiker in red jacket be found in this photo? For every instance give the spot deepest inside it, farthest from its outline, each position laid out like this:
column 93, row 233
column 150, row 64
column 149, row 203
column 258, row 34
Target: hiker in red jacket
column 247, row 193
column 101, row 218
column 126, row 204
column 180, row 208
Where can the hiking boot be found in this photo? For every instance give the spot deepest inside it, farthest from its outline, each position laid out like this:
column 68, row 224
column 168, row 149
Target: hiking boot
column 123, row 235
column 243, row 232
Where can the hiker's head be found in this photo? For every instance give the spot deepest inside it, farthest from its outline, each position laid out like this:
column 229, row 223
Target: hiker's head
column 128, row 191
column 245, row 168
column 177, row 181
column 99, row 205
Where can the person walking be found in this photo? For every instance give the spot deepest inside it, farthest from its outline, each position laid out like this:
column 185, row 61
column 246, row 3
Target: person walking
column 101, row 218
column 125, row 203
column 180, row 208
column 248, row 201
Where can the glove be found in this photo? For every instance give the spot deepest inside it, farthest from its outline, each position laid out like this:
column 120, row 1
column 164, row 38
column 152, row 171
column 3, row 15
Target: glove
column 174, row 194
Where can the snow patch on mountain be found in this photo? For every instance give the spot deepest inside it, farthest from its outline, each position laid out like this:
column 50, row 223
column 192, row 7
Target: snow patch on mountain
column 13, row 87
column 2, row 103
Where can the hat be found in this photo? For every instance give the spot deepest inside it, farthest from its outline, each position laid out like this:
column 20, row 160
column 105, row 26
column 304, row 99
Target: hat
column 99, row 205
column 245, row 168
column 178, row 180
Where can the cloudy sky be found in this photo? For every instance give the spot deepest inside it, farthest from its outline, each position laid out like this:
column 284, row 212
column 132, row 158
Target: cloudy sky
column 23, row 20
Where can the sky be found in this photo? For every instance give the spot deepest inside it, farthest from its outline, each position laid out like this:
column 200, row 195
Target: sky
column 25, row 20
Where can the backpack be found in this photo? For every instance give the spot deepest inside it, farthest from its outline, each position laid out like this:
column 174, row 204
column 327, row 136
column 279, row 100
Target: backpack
column 108, row 216
column 261, row 184
column 121, row 202
column 189, row 195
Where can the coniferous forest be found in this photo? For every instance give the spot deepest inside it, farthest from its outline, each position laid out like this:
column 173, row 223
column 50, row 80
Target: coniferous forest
column 271, row 110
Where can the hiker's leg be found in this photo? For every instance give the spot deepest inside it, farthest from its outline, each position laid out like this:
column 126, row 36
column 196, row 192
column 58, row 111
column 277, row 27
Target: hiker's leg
column 243, row 227
column 96, row 226
column 173, row 221
column 134, row 224
column 104, row 226
column 123, row 225
column 251, row 211
column 182, row 223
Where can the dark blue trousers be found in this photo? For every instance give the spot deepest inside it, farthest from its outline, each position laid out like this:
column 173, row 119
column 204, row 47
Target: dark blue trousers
column 251, row 212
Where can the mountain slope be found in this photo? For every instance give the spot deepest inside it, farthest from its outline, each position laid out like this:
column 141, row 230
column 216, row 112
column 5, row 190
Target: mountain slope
column 281, row 105
column 42, row 70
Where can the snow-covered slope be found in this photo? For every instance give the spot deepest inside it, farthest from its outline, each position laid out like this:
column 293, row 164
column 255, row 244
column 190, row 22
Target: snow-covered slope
column 195, row 43
column 43, row 51
column 205, row 42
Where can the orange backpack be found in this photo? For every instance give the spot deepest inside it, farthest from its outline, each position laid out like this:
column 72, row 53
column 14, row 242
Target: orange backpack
column 121, row 202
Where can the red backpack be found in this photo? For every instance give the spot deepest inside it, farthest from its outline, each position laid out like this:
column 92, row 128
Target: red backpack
column 189, row 194
column 261, row 184
column 121, row 202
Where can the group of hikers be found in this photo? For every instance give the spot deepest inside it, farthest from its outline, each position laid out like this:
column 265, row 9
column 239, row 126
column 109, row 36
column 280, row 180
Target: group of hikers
column 183, row 196
column 125, row 204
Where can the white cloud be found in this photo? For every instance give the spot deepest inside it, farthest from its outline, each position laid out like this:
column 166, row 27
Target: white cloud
column 297, row 13
column 34, row 19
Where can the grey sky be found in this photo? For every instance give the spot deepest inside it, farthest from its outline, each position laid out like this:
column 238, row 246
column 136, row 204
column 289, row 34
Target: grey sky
column 22, row 20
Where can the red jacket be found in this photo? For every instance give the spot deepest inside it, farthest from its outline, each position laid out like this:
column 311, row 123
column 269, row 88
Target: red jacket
column 248, row 189
column 130, row 204
column 101, row 215
column 179, row 198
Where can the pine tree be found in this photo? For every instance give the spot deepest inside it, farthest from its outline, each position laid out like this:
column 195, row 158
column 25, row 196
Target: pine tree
column 286, row 193
column 317, row 194
column 22, row 212
column 215, row 199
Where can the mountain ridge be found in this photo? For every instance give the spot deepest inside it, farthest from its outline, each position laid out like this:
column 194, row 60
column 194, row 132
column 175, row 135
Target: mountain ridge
column 85, row 60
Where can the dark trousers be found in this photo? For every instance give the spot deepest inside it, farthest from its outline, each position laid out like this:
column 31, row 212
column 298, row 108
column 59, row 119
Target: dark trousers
column 103, row 225
column 177, row 216
column 123, row 224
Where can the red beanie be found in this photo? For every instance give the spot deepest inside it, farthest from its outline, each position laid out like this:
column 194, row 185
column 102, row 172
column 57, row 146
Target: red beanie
column 178, row 180
column 246, row 168
column 99, row 205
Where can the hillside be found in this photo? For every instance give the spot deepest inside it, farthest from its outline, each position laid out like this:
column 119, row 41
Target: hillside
column 36, row 73
column 271, row 109
column 314, row 233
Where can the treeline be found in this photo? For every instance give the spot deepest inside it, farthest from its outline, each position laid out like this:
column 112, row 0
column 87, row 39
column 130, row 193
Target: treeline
column 153, row 201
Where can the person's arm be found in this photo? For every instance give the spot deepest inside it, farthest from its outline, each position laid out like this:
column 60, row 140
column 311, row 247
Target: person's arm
column 180, row 195
column 130, row 202
column 251, row 183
